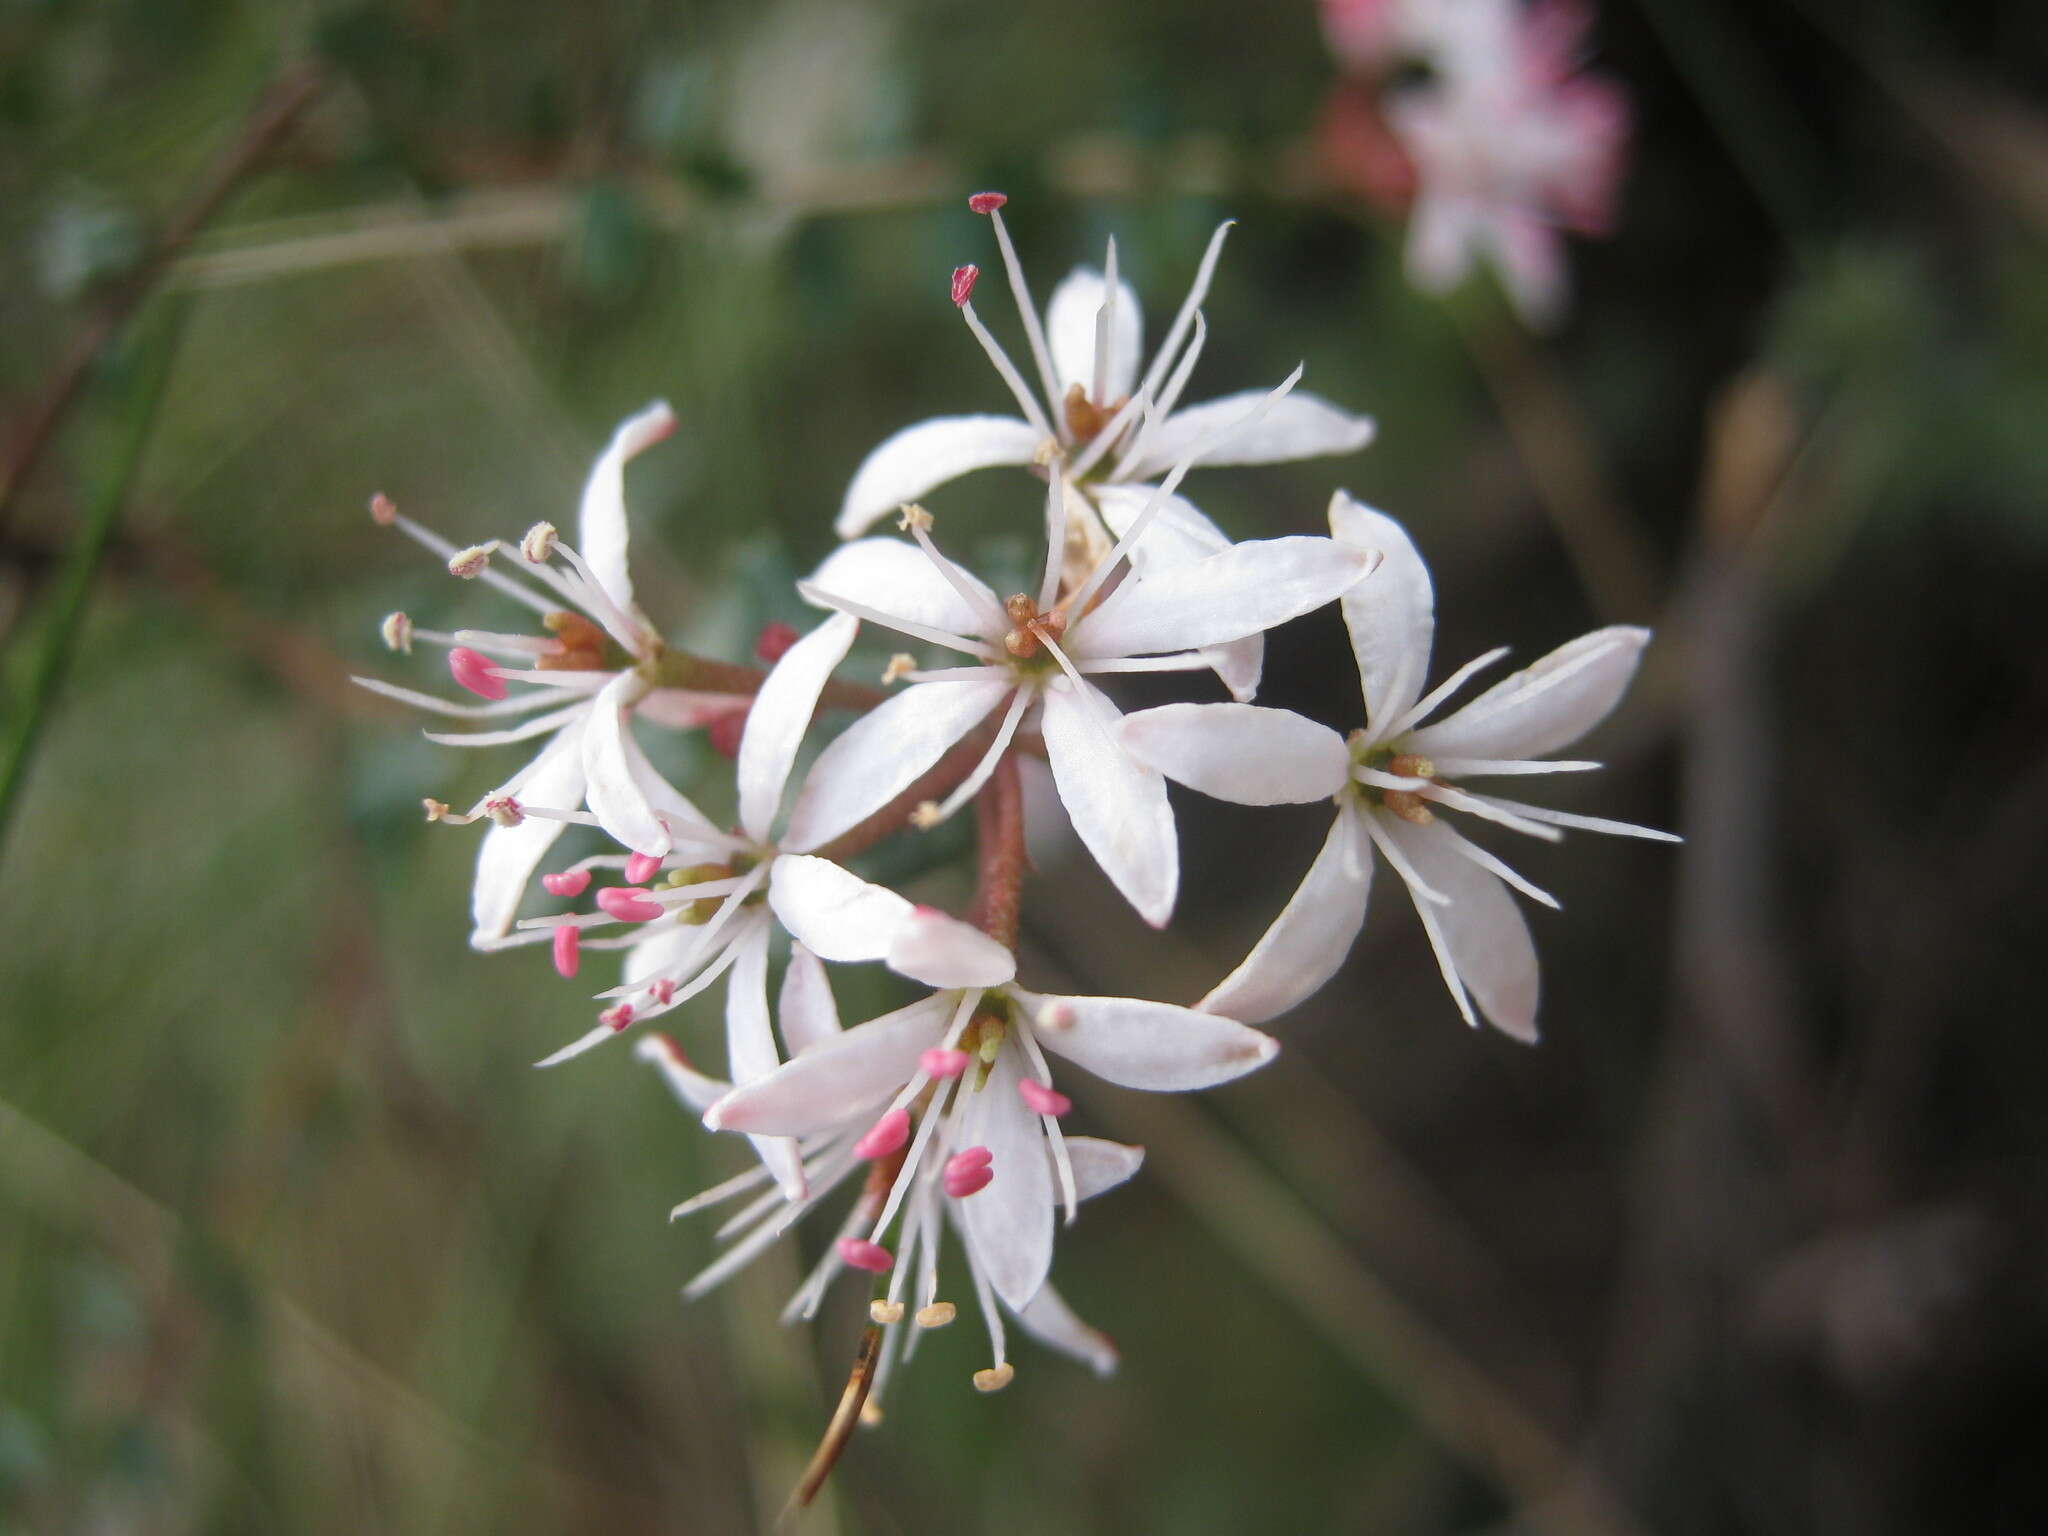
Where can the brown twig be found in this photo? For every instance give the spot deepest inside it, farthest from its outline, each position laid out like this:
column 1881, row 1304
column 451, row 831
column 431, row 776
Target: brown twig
column 840, row 1430
column 288, row 96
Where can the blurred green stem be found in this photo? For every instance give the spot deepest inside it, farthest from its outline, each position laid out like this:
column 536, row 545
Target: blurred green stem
column 67, row 604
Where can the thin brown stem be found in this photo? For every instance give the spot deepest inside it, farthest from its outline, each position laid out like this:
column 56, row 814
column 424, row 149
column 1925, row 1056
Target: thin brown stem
column 840, row 1430
column 289, row 95
column 701, row 674
column 1001, row 859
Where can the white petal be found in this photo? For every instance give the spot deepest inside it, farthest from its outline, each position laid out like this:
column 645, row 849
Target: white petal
column 667, row 949
column 1099, row 1166
column 928, row 454
column 1240, row 752
column 1048, row 1319
column 892, row 576
column 836, row 1078
column 681, row 709
column 1241, row 591
column 692, row 1087
column 617, row 771
column 1009, row 1222
column 1238, row 665
column 1301, row 426
column 942, row 951
column 1313, row 933
column 1155, row 1046
column 1118, row 806
column 750, row 1046
column 780, row 715
column 1544, row 706
column 510, row 855
column 1070, row 333
column 881, row 754
column 807, row 1012
column 1484, row 935
column 602, row 534
column 1181, row 534
column 840, row 916
column 1392, row 618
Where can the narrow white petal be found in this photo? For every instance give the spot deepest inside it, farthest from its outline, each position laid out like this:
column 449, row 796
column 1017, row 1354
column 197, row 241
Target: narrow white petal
column 1544, row 706
column 515, row 704
column 616, row 770
column 1313, row 933
column 1484, row 935
column 1118, row 806
column 881, row 754
column 1154, row 1046
column 1467, row 849
column 1188, row 313
column 838, row 915
column 807, row 1012
column 1543, row 814
column 683, row 709
column 1100, row 1166
column 1048, row 1319
column 836, row 1078
column 942, row 951
column 1240, row 752
column 541, row 725
column 1009, row 1223
column 1393, row 618
column 602, row 533
column 928, row 454
column 780, row 715
column 895, row 579
column 750, row 1047
column 1240, row 591
column 1303, row 426
column 1181, row 534
column 696, row 1091
column 510, row 855
column 1070, row 319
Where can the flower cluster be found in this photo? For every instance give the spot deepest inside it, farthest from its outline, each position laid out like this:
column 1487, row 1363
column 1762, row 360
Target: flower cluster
column 1474, row 117
column 946, row 1114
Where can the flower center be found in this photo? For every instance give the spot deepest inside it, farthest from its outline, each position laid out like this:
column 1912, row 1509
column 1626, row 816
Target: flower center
column 1030, row 630
column 580, row 646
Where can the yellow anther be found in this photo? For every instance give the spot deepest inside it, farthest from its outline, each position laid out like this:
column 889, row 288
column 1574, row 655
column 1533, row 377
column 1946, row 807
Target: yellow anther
column 1408, row 805
column 437, row 810
column 397, row 632
column 885, row 1312
column 995, row 1378
column 937, row 1315
column 871, row 1413
column 469, row 563
column 913, row 516
column 1410, row 765
column 899, row 664
column 538, row 547
column 926, row 816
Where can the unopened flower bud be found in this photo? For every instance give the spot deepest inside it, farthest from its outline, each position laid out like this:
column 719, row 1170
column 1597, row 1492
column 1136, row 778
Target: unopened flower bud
column 397, row 632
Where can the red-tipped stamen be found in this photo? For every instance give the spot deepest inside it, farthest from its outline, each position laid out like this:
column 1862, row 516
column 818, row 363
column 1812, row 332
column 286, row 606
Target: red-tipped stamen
column 629, row 903
column 862, row 1254
column 641, row 868
column 567, row 955
column 969, row 1181
column 566, row 882
column 1043, row 1100
column 963, row 283
column 987, row 202
column 617, row 1018
column 476, row 674
column 885, row 1136
column 663, row 991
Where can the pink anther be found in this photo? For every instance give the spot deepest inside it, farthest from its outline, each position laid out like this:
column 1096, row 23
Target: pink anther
column 618, row 1018
column 568, row 941
column 663, row 992
column 987, row 202
column 774, row 641
column 939, row 1062
column 967, row 1173
column 641, row 867
column 963, row 283
column 724, row 734
column 383, row 511
column 1041, row 1099
column 862, row 1254
column 886, row 1135
column 973, row 1157
column 628, row 903
column 566, row 882
column 475, row 673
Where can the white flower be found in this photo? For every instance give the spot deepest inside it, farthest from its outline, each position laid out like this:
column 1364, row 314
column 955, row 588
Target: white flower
column 1042, row 651
column 1112, row 432
column 950, row 1108
column 586, row 679
column 724, row 893
column 1391, row 779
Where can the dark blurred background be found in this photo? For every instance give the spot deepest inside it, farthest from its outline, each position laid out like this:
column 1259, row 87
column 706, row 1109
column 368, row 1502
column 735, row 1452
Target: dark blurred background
column 293, row 1240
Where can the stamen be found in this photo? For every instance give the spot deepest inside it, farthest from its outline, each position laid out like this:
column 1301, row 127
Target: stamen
column 397, row 633
column 437, row 810
column 504, row 810
column 1418, row 887
column 885, row 1136
column 952, row 642
column 476, row 674
column 629, row 904
column 469, row 563
column 538, row 547
column 1409, row 765
column 1007, row 372
column 968, row 1172
column 383, row 510
column 1190, row 308
column 1042, row 1099
column 1105, row 319
column 941, row 1063
column 1055, row 538
column 663, row 992
column 567, row 937
column 900, row 664
column 984, row 202
column 1034, row 331
column 1158, row 410
column 642, row 867
column 859, row 1253
column 970, row 786
column 995, row 1378
column 885, row 1313
column 1407, row 805
column 963, row 283
column 1420, row 710
column 937, row 1315
column 926, row 815
column 617, row 1017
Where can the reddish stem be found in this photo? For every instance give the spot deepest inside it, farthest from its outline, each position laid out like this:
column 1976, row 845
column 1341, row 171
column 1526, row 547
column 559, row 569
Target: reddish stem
column 1002, row 861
